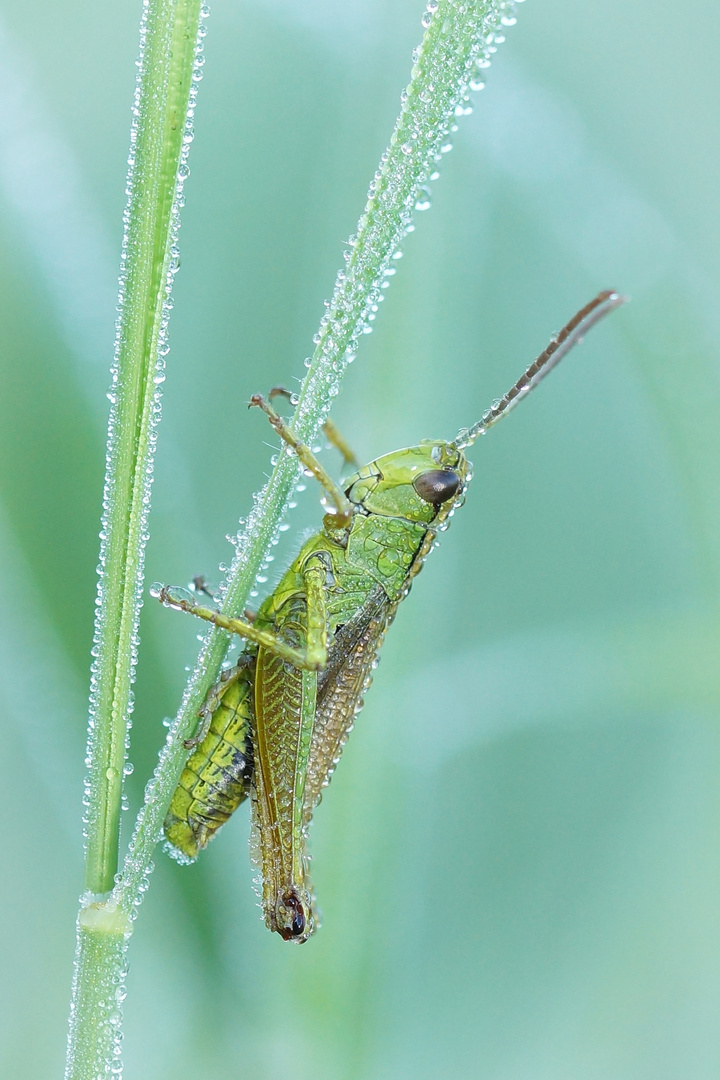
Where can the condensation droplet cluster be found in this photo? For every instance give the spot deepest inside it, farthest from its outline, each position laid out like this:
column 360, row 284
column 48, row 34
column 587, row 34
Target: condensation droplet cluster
column 107, row 1022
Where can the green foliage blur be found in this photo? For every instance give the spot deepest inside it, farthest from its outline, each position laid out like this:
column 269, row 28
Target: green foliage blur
column 518, row 860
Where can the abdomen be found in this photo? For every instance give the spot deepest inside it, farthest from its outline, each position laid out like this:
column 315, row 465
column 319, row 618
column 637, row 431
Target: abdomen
column 217, row 775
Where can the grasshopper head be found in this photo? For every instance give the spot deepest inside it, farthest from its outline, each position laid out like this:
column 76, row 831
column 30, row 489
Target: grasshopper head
column 294, row 917
column 420, row 483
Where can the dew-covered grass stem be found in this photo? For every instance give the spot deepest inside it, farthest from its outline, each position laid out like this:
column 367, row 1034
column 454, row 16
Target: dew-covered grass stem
column 168, row 71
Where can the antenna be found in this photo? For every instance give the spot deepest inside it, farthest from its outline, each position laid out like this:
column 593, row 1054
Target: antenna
column 560, row 345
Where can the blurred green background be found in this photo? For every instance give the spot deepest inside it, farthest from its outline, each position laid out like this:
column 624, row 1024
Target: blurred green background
column 518, row 858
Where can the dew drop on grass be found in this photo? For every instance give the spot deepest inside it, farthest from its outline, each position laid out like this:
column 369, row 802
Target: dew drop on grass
column 423, row 200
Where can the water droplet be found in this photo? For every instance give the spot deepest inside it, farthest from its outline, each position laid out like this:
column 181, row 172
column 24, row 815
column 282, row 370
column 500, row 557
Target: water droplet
column 423, row 201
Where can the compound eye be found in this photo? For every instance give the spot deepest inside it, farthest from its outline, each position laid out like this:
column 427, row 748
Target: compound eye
column 437, row 485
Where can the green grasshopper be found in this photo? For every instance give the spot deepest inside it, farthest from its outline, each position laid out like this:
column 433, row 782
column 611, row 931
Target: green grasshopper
column 275, row 725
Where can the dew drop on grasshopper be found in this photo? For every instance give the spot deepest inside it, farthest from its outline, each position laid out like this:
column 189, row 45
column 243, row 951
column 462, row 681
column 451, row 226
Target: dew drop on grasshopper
column 275, row 725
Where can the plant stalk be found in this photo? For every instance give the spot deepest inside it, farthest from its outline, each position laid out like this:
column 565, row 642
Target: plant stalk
column 161, row 132
column 168, row 44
